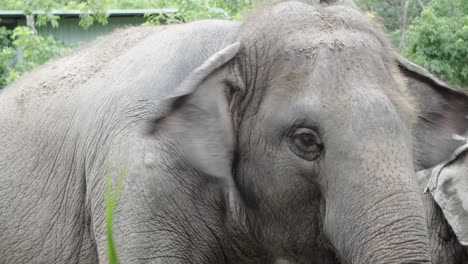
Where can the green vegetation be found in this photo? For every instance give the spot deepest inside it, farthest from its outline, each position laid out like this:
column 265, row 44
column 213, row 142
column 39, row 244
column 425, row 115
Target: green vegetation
column 432, row 33
column 111, row 201
column 22, row 49
column 35, row 50
column 95, row 10
column 438, row 40
column 394, row 15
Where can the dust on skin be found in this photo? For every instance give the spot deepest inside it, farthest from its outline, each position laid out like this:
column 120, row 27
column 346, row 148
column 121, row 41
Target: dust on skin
column 59, row 79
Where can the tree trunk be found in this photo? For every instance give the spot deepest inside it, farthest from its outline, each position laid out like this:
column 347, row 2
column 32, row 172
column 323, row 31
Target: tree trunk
column 421, row 4
column 404, row 23
column 30, row 22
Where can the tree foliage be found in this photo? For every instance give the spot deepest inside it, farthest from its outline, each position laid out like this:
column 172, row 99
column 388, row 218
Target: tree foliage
column 190, row 10
column 388, row 11
column 93, row 10
column 391, row 14
column 438, row 40
column 22, row 50
column 432, row 33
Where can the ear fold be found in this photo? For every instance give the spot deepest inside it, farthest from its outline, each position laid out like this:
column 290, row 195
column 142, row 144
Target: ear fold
column 191, row 83
column 443, row 112
column 448, row 184
column 197, row 116
column 439, row 140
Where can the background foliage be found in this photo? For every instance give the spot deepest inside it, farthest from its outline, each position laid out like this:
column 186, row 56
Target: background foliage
column 438, row 40
column 22, row 49
column 432, row 33
column 35, row 50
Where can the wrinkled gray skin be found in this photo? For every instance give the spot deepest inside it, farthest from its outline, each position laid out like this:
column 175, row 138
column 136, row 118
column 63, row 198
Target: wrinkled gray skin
column 222, row 173
column 445, row 247
column 69, row 121
column 442, row 110
column 442, row 114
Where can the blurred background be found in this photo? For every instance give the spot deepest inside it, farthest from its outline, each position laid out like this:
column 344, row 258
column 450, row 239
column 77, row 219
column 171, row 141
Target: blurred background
column 431, row 33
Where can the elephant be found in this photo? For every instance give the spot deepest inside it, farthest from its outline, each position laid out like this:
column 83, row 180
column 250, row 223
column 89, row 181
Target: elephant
column 291, row 135
column 447, row 181
column 447, row 246
column 446, row 213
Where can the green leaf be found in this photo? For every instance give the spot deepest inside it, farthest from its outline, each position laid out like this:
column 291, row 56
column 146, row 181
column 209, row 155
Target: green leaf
column 111, row 201
column 437, row 40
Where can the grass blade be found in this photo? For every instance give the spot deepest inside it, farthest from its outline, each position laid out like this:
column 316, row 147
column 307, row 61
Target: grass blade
column 111, row 201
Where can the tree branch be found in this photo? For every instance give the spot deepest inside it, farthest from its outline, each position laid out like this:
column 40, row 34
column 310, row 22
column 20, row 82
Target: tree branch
column 421, row 4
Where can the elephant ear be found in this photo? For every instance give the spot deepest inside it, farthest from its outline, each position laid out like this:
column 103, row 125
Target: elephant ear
column 197, row 116
column 448, row 184
column 440, row 144
column 443, row 112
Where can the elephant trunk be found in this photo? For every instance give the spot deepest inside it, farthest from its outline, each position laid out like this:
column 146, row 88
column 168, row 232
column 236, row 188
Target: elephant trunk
column 374, row 212
column 377, row 215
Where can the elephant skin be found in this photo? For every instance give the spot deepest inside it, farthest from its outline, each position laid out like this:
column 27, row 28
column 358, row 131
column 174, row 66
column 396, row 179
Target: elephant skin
column 286, row 136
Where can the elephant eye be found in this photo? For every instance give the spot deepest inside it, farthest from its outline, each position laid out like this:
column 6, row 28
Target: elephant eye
column 306, row 144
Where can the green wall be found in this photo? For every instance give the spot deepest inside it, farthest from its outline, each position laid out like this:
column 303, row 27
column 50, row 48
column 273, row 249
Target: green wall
column 70, row 33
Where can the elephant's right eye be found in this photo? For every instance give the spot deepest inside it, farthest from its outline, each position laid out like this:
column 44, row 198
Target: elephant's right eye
column 306, row 144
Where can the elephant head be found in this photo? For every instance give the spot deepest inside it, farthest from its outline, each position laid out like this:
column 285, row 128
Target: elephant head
column 310, row 124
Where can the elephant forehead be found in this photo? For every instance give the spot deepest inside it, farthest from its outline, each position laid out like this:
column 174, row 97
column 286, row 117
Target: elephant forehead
column 340, row 53
column 335, row 41
column 332, row 67
column 339, row 83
